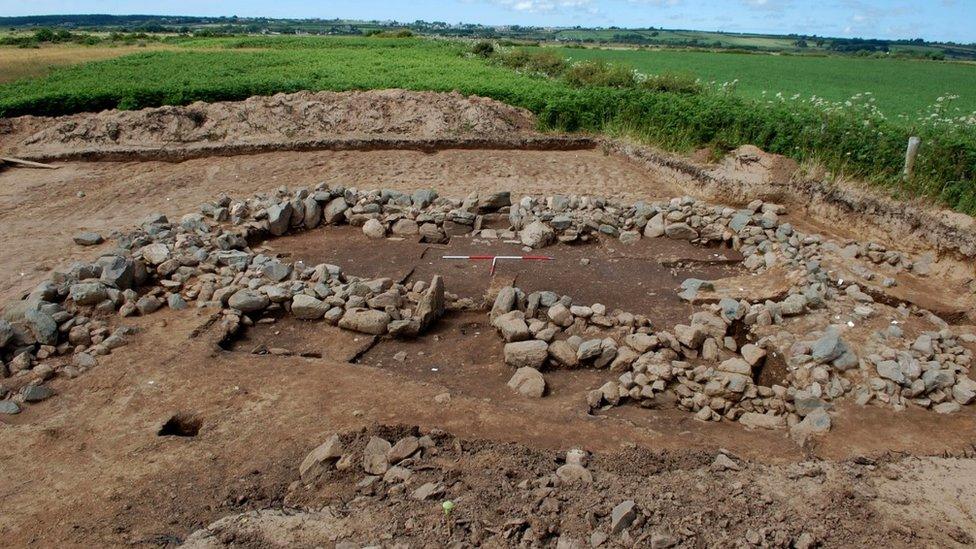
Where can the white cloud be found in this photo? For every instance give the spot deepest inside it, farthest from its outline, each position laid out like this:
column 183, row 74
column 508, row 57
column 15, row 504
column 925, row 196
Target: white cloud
column 538, row 6
column 768, row 5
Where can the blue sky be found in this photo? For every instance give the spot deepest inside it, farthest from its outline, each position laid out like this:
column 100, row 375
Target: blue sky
column 931, row 19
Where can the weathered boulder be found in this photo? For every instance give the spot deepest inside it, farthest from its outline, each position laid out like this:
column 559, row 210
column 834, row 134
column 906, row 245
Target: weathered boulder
column 512, row 326
column 528, row 382
column 537, row 235
column 530, row 354
column 367, row 321
column 87, row 293
column 279, row 218
column 306, row 307
column 248, row 301
column 374, row 229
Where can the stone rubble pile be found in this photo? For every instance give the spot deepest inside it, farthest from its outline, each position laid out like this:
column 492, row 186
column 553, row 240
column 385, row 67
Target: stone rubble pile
column 206, row 259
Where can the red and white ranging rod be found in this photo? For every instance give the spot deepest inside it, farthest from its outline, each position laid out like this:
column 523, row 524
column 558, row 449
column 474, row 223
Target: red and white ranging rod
column 496, row 258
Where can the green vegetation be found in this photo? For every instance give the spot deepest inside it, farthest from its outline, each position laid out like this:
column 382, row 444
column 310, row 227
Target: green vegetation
column 901, row 86
column 670, row 38
column 665, row 109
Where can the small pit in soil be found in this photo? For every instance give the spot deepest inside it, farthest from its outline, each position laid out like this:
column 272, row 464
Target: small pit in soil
column 181, row 425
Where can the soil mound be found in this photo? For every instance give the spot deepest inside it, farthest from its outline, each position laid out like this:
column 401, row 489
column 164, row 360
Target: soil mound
column 302, row 115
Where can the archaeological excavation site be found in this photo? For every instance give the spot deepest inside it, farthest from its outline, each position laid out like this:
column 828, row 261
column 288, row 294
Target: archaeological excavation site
column 405, row 319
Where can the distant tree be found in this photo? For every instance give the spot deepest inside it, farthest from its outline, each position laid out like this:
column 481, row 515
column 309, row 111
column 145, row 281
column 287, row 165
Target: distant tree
column 801, row 43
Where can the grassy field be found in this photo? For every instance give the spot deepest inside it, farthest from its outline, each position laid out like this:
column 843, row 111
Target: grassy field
column 17, row 63
column 901, row 86
column 854, row 142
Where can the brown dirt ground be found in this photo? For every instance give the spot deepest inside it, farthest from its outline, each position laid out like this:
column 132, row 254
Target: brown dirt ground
column 86, row 468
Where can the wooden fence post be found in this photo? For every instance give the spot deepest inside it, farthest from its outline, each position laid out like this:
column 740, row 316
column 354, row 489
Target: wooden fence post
column 910, row 154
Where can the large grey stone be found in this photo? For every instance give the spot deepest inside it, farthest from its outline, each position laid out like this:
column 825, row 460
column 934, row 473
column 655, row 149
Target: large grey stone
column 9, row 407
column 42, row 326
column 248, row 301
column 537, row 235
column 156, row 253
column 563, row 354
column 504, row 302
column 655, row 226
column 512, row 326
column 333, row 212
column 828, row 347
column 815, row 423
column 87, row 293
column 367, row 321
column 528, row 382
column 313, row 212
column 36, row 393
column 374, row 229
column 431, row 305
column 680, row 231
column 526, row 353
column 306, row 307
column 117, row 271
column 279, row 218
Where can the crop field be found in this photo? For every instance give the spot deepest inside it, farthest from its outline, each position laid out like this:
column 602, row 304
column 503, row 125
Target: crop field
column 901, row 86
column 17, row 63
column 856, row 141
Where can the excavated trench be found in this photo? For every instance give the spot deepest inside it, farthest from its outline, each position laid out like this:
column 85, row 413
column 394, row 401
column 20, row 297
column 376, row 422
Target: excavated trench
column 640, row 278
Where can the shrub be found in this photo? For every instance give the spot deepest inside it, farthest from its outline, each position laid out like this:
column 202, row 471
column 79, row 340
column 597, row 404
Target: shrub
column 483, row 49
column 671, row 82
column 543, row 62
column 599, row 73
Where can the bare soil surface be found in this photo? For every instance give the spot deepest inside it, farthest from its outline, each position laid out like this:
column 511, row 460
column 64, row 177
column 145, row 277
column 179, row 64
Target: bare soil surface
column 281, row 117
column 94, row 465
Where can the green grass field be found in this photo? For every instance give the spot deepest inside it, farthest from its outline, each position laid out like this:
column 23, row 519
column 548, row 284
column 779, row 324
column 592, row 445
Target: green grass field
column 901, row 86
column 850, row 142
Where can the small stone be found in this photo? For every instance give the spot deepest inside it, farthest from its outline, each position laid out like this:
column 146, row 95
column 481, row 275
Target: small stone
column 752, row 354
column 404, row 448
column 320, row 459
column 572, row 473
column 36, row 393
column 9, row 407
column 426, row 491
column 723, row 462
column 755, row 420
column 622, row 516
column 815, row 423
column 88, row 239
column 374, row 456
column 947, row 408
